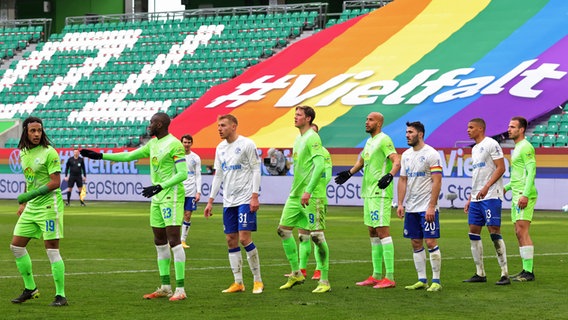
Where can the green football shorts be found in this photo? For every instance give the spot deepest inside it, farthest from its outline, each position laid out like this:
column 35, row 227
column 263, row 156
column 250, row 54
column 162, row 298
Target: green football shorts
column 377, row 212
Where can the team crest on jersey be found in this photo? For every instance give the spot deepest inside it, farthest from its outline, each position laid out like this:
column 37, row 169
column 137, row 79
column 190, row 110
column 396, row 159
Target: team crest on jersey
column 422, row 159
column 238, row 151
column 497, row 150
column 155, row 163
column 29, row 174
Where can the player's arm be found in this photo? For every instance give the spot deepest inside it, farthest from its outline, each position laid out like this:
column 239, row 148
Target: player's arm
column 499, row 170
column 127, row 156
column 401, row 194
column 254, row 203
column 215, row 186
column 67, row 168
column 197, row 179
column 530, row 174
column 319, row 166
column 83, row 168
column 345, row 175
column 436, row 187
column 179, row 176
column 54, row 170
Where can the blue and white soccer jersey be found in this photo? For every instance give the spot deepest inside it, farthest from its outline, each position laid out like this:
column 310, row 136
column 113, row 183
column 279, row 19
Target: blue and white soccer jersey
column 237, row 164
column 486, row 211
column 418, row 167
column 192, row 184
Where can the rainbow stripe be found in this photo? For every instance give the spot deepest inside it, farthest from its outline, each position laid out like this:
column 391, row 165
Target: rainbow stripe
column 441, row 62
column 436, row 170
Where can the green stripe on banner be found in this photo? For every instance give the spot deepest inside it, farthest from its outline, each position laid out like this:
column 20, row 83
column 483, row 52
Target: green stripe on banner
column 494, row 24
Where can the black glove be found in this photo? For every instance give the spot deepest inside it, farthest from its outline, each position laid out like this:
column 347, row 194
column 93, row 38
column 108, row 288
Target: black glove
column 385, row 181
column 343, row 176
column 151, row 190
column 91, row 154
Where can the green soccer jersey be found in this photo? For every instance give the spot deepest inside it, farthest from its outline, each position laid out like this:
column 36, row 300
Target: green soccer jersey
column 38, row 163
column 320, row 190
column 377, row 164
column 523, row 170
column 167, row 165
column 306, row 148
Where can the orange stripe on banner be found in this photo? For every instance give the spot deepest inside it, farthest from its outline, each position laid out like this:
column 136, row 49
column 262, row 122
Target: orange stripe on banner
column 253, row 116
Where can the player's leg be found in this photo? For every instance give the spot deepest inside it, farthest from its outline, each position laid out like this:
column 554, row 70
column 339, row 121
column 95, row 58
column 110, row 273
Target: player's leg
column 413, row 231
column 163, row 252
column 189, row 206
column 476, row 219
column 318, row 237
column 304, row 248
column 522, row 221
column 231, row 227
column 376, row 247
column 431, row 231
column 247, row 224
column 492, row 207
column 382, row 224
column 292, row 215
column 53, row 232
column 26, row 228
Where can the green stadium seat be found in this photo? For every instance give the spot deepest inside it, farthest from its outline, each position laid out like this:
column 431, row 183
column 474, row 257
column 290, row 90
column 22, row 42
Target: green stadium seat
column 563, row 129
column 540, row 129
column 554, row 119
column 561, row 141
column 564, row 119
column 548, row 141
column 552, row 128
column 536, row 141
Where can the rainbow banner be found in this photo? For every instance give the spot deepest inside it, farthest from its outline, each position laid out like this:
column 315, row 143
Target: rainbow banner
column 441, row 62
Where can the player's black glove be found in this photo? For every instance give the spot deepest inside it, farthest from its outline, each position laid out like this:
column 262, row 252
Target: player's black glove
column 151, row 190
column 91, row 154
column 385, row 181
column 343, row 176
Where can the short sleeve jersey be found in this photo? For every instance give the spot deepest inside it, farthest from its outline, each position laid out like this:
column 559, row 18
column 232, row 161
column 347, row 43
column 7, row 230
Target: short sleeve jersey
column 38, row 163
column 164, row 153
column 418, row 167
column 321, row 190
column 307, row 146
column 482, row 156
column 523, row 157
column 377, row 163
column 237, row 161
column 192, row 184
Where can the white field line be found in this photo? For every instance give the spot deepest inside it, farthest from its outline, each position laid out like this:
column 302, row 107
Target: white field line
column 189, row 268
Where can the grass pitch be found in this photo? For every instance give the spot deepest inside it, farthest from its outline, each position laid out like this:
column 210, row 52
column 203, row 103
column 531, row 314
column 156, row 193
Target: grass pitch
column 111, row 262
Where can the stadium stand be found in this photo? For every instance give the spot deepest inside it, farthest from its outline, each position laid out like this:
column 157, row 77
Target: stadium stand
column 99, row 83
column 352, row 9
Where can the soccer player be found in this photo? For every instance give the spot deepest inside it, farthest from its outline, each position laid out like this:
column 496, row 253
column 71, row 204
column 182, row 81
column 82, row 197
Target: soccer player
column 420, row 183
column 380, row 162
column 168, row 171
column 74, row 167
column 237, row 166
column 484, row 204
column 41, row 210
column 192, row 186
column 306, row 207
column 523, row 172
column 316, row 220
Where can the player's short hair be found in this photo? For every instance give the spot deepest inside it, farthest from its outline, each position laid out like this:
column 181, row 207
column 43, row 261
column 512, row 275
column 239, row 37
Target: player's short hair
column 480, row 122
column 187, row 137
column 229, row 117
column 523, row 123
column 309, row 112
column 163, row 118
column 416, row 125
column 25, row 142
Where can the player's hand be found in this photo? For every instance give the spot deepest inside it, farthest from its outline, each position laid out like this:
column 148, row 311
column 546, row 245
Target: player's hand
column 466, row 207
column 151, row 190
column 430, row 214
column 91, row 154
column 208, row 211
column 523, row 201
column 400, row 212
column 385, row 181
column 21, row 209
column 343, row 176
column 306, row 199
column 66, row 179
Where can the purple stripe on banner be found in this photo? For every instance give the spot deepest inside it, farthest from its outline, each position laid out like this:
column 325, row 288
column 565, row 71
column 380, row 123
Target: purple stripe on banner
column 497, row 109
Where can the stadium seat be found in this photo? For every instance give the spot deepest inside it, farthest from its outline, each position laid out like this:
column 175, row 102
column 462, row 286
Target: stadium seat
column 561, row 141
column 536, row 141
column 549, row 141
column 552, row 128
column 563, row 129
column 539, row 129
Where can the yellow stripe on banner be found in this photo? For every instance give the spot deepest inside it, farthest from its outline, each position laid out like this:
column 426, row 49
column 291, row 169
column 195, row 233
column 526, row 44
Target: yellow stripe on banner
column 433, row 26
